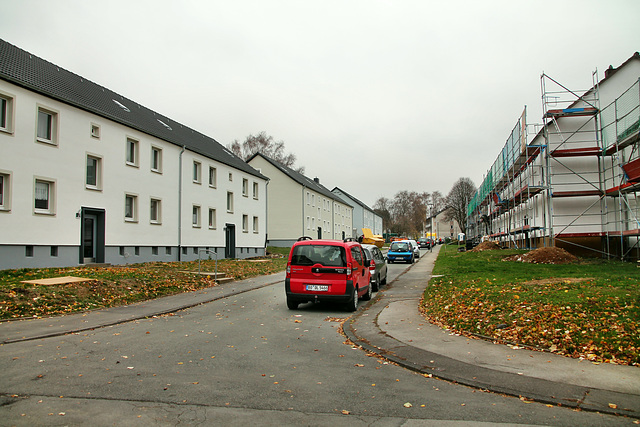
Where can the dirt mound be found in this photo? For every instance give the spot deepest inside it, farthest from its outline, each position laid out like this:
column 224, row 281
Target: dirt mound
column 550, row 255
column 486, row 246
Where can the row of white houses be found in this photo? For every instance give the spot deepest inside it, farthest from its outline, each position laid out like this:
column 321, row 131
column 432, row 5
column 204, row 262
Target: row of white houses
column 89, row 176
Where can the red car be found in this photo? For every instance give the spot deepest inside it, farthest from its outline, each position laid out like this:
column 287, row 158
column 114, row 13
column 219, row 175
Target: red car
column 327, row 270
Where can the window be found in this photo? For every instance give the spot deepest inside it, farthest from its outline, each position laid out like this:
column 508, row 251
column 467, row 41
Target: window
column 213, row 177
column 156, row 159
column 255, row 224
column 197, row 167
column 245, row 223
column 28, row 251
column 44, row 196
column 94, row 173
column 95, row 131
column 132, row 152
column 255, row 190
column 212, row 218
column 130, row 208
column 168, row 250
column 6, row 113
column 230, row 176
column 155, row 211
column 54, row 251
column 5, row 191
column 47, row 126
column 196, row 216
column 245, row 187
column 229, row 202
column 154, row 250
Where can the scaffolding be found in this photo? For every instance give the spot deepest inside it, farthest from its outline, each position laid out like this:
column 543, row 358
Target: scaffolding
column 575, row 185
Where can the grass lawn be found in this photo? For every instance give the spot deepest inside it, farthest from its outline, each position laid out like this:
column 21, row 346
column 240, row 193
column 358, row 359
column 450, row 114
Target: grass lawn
column 116, row 285
column 588, row 309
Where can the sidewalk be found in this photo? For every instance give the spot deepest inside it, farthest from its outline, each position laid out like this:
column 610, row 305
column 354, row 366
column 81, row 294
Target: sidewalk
column 393, row 327
column 29, row 329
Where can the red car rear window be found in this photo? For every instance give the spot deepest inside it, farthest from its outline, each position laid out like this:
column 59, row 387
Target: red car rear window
column 327, row 255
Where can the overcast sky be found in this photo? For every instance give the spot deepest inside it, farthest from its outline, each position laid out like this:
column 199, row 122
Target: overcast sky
column 372, row 96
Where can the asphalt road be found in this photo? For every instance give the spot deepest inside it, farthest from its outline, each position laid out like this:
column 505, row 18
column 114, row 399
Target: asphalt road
column 243, row 360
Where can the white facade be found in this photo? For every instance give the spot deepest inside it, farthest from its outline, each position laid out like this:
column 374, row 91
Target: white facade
column 94, row 190
column 298, row 206
column 363, row 216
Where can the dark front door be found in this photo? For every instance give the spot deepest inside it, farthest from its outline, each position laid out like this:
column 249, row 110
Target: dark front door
column 230, row 241
column 89, row 238
column 319, row 232
column 92, row 239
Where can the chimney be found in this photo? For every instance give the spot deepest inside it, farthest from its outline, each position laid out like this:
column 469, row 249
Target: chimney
column 316, row 180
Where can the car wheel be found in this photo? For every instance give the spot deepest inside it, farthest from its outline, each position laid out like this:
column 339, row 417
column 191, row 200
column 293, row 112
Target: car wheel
column 352, row 305
column 375, row 284
column 367, row 296
column 293, row 305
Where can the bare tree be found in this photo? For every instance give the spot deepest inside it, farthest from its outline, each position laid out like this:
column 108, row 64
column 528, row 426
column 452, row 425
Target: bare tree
column 409, row 212
column 382, row 207
column 438, row 201
column 265, row 144
column 458, row 199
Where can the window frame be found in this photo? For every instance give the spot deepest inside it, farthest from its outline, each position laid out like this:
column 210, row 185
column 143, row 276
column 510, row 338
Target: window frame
column 98, row 173
column 256, row 190
column 94, row 131
column 255, row 224
column 229, row 201
column 157, row 168
column 213, row 183
column 212, row 224
column 6, row 112
column 197, row 172
column 158, row 211
column 5, row 191
column 245, row 223
column 52, row 127
column 196, row 215
column 51, row 196
column 245, row 187
column 134, row 207
column 135, row 143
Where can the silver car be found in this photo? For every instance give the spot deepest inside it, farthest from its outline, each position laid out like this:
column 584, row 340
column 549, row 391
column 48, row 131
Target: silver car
column 416, row 248
column 379, row 271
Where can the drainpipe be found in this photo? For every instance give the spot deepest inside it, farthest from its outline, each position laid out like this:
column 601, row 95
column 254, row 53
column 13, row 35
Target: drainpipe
column 180, row 204
column 303, row 189
column 266, row 215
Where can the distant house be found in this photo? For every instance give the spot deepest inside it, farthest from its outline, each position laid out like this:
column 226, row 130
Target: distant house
column 299, row 206
column 89, row 176
column 363, row 215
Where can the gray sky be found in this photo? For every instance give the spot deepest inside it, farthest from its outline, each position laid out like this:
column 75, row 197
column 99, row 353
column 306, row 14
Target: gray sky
column 372, row 96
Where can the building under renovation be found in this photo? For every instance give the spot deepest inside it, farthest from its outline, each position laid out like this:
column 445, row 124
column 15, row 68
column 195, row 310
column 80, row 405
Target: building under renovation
column 572, row 180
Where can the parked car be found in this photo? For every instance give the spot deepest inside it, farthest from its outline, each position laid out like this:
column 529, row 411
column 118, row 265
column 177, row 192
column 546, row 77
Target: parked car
column 378, row 266
column 416, row 248
column 327, row 270
column 400, row 251
column 423, row 242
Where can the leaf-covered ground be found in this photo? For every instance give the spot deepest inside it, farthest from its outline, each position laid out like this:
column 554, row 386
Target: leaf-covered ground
column 588, row 309
column 114, row 285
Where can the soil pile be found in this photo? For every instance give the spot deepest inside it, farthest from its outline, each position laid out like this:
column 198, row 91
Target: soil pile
column 486, row 246
column 551, row 255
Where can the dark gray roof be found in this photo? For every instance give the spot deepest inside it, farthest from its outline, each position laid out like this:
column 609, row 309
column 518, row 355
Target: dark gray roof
column 301, row 179
column 352, row 198
column 33, row 73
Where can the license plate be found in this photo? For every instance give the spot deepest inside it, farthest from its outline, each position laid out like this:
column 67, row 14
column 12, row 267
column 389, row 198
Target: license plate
column 318, row 288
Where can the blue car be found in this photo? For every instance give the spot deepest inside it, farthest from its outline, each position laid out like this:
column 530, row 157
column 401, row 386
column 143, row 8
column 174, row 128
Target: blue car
column 400, row 250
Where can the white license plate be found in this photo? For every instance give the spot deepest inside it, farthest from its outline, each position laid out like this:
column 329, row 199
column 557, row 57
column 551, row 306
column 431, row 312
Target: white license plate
column 318, row 288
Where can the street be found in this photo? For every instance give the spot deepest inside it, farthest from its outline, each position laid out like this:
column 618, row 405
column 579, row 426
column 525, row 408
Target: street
column 241, row 360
